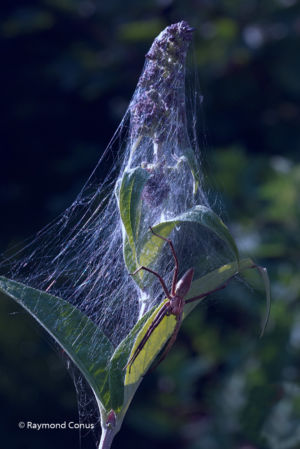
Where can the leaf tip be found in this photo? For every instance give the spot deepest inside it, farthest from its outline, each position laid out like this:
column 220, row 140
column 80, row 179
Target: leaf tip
column 266, row 280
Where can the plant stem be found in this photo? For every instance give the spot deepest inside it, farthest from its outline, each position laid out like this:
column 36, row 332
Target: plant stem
column 107, row 437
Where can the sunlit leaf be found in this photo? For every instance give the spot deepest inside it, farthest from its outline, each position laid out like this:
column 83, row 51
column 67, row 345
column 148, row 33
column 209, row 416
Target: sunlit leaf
column 205, row 285
column 120, row 395
column 153, row 346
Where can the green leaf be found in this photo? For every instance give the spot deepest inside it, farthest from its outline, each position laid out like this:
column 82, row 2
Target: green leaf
column 203, row 286
column 78, row 336
column 164, row 330
column 152, row 347
column 119, row 359
column 131, row 189
column 266, row 280
column 202, row 215
column 215, row 279
column 263, row 275
column 130, row 262
column 190, row 157
column 223, row 274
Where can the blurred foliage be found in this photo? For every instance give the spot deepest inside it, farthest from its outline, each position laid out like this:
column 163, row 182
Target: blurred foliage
column 69, row 68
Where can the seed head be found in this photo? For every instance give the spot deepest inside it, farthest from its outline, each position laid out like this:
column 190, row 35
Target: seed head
column 160, row 90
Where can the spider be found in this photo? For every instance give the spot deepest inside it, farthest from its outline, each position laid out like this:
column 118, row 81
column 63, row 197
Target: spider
column 174, row 305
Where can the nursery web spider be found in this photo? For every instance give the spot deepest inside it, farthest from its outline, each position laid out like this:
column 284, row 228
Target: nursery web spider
column 174, row 305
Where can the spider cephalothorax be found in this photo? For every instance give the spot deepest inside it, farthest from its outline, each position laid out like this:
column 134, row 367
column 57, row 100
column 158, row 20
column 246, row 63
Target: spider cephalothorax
column 174, row 305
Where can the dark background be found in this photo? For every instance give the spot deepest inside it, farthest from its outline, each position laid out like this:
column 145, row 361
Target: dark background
column 68, row 70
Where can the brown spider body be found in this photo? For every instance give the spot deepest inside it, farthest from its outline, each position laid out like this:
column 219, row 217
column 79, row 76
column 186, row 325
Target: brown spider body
column 184, row 284
column 174, row 305
column 176, row 302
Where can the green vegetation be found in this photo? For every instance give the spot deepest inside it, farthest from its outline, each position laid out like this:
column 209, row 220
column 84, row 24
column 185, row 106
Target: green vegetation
column 69, row 70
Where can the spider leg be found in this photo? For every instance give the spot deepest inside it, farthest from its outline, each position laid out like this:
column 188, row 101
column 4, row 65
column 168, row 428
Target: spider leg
column 170, row 343
column 178, row 324
column 194, row 298
column 157, row 275
column 163, row 311
column 175, row 275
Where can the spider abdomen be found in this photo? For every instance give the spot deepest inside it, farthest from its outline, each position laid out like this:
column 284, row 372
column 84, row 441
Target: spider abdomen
column 184, row 284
